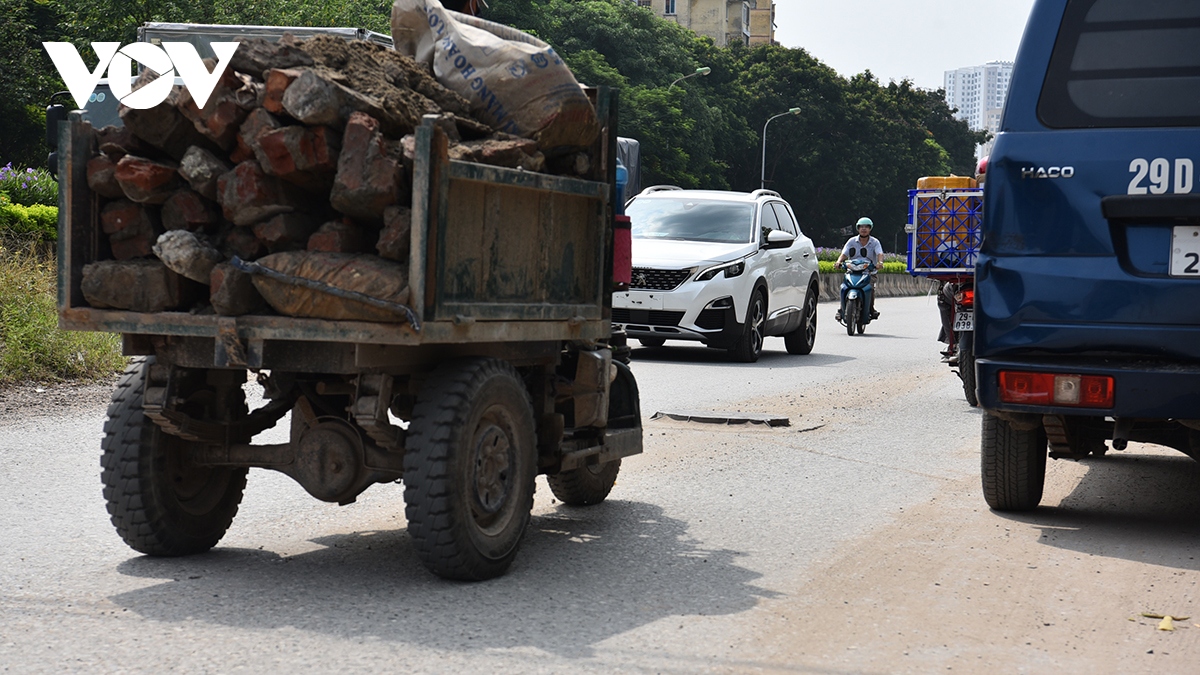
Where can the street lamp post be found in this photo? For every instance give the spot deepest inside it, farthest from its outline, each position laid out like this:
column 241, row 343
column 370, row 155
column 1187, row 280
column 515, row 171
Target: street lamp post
column 704, row 70
column 763, row 175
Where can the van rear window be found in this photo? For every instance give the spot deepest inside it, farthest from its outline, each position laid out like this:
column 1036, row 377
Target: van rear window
column 1124, row 63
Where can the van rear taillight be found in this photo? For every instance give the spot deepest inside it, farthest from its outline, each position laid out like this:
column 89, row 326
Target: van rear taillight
column 1081, row 391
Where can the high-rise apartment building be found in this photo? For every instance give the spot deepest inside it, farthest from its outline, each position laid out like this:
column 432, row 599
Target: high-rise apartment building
column 978, row 92
column 751, row 22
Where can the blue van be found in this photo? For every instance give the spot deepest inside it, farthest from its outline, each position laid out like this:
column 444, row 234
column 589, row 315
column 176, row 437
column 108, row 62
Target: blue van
column 1087, row 327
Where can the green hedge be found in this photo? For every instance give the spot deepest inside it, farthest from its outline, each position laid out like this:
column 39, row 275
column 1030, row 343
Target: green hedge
column 38, row 219
column 826, row 267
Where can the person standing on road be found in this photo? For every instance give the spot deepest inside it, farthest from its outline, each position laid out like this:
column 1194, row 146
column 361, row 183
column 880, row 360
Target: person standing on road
column 864, row 246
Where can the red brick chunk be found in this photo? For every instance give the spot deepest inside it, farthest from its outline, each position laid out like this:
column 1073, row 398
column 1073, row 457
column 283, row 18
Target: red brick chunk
column 232, row 292
column 248, row 195
column 339, row 236
column 369, row 175
column 394, row 241
column 306, row 156
column 187, row 210
column 102, row 179
column 147, row 181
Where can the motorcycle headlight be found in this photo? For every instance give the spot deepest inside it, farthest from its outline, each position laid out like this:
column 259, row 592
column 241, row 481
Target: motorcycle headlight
column 730, row 269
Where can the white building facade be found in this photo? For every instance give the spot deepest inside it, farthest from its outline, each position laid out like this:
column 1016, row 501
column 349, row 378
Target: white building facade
column 978, row 92
column 751, row 22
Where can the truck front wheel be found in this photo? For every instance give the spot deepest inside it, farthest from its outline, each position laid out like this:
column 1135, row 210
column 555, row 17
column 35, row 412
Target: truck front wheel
column 161, row 503
column 1013, row 465
column 586, row 485
column 589, row 485
column 469, row 469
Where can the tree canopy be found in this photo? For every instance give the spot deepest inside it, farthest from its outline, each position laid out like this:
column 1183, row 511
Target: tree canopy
column 855, row 148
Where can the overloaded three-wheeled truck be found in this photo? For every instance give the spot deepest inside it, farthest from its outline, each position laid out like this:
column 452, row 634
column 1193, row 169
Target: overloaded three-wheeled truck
column 496, row 365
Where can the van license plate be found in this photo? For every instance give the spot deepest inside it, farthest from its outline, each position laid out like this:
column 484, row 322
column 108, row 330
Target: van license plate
column 964, row 321
column 1185, row 251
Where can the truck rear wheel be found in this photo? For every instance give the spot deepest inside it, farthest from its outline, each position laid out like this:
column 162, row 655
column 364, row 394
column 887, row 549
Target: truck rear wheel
column 160, row 503
column 1013, row 465
column 469, row 469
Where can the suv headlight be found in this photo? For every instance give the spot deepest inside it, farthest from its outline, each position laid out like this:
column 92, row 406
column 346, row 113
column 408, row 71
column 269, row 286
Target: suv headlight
column 731, row 270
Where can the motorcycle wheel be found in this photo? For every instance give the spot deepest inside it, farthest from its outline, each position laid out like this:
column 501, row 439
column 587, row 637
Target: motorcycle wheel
column 966, row 366
column 851, row 316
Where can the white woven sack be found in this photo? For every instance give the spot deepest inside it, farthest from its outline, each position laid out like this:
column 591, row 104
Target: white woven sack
column 515, row 82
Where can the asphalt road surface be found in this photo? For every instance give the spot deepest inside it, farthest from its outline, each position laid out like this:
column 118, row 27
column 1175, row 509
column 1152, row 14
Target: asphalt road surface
column 854, row 540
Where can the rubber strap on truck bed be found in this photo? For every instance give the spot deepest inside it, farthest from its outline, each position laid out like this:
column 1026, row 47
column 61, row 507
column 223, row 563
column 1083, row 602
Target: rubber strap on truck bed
column 396, row 308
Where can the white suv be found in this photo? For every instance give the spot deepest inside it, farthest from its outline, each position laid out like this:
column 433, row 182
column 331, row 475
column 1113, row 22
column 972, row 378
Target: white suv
column 724, row 268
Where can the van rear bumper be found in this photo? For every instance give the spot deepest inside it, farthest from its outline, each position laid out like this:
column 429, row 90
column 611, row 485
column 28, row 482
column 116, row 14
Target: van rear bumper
column 1143, row 388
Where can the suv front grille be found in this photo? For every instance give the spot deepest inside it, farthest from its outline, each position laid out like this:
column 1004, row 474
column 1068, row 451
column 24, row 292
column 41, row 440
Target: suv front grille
column 646, row 317
column 658, row 280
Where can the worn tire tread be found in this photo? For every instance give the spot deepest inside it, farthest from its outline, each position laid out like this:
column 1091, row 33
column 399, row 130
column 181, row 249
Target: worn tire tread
column 142, row 521
column 796, row 342
column 437, row 420
column 1013, row 465
column 581, row 487
column 743, row 350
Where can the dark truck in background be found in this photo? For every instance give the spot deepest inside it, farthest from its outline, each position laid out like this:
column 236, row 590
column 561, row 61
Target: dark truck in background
column 1087, row 308
column 503, row 368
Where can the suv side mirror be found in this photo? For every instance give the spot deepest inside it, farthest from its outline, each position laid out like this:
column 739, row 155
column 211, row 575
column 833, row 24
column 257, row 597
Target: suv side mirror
column 779, row 239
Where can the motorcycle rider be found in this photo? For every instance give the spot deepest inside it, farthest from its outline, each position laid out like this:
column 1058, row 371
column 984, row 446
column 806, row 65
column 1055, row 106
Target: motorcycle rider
column 863, row 246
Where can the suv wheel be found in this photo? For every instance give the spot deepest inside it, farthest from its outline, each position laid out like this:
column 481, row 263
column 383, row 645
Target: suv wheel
column 1013, row 465
column 801, row 340
column 750, row 344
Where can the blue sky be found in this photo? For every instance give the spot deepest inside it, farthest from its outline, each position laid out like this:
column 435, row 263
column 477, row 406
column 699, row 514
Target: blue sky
column 917, row 39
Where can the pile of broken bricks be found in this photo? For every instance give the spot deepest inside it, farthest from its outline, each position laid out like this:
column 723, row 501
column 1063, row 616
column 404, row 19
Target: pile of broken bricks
column 300, row 160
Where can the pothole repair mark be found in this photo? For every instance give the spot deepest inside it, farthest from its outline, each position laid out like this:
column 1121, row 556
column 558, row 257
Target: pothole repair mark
column 724, row 418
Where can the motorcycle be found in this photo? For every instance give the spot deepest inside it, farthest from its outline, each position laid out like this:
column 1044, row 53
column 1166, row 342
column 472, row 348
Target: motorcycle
column 959, row 299
column 857, row 292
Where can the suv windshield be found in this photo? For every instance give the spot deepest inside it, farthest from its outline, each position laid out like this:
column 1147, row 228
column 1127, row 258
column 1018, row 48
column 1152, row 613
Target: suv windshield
column 1124, row 64
column 692, row 220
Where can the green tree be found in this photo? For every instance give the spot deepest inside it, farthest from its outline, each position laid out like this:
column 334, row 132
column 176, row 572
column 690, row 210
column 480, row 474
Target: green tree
column 684, row 130
column 954, row 135
column 27, row 78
